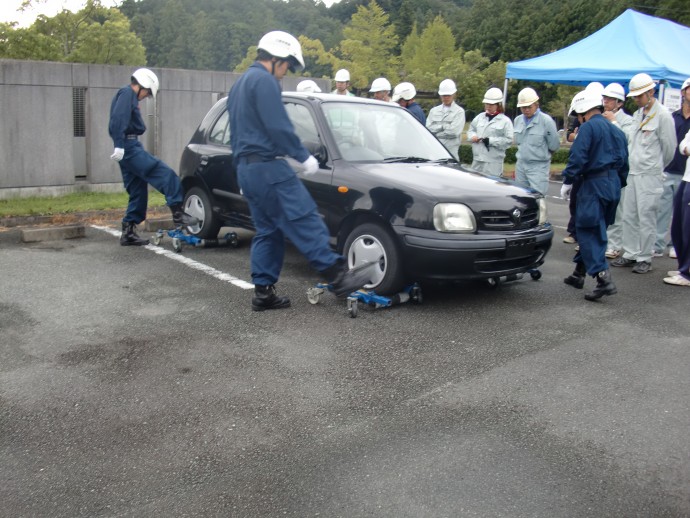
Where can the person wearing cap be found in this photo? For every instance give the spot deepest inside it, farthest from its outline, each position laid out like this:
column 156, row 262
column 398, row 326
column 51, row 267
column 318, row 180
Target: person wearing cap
column 537, row 139
column 614, row 98
column 674, row 172
column 381, row 89
column 652, row 146
column 680, row 227
column 308, row 86
column 447, row 120
column 404, row 94
column 281, row 207
column 138, row 167
column 599, row 157
column 490, row 133
column 342, row 83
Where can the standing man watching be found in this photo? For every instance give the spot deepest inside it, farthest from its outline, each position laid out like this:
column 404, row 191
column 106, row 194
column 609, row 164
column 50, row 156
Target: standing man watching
column 138, row 167
column 280, row 205
column 404, row 94
column 491, row 133
column 342, row 83
column 599, row 156
column 537, row 139
column 447, row 120
column 674, row 173
column 652, row 145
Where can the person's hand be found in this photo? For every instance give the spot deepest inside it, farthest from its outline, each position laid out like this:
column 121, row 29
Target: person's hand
column 565, row 191
column 118, row 154
column 310, row 166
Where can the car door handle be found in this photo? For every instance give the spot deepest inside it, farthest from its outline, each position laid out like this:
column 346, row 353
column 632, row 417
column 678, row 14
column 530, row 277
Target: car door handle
column 203, row 160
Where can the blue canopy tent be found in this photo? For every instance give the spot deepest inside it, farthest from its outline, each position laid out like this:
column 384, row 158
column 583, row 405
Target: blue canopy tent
column 641, row 43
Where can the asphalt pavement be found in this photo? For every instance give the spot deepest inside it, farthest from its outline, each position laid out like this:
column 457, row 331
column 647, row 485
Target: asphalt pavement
column 138, row 382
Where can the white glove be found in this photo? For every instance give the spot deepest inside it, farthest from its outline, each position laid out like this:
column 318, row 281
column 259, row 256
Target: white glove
column 118, row 154
column 565, row 191
column 310, row 166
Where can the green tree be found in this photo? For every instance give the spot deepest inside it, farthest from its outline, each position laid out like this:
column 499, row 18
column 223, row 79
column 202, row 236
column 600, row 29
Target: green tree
column 436, row 44
column 368, row 45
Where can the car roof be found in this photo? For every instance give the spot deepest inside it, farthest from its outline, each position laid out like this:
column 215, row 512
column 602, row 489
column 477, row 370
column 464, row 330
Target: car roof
column 328, row 97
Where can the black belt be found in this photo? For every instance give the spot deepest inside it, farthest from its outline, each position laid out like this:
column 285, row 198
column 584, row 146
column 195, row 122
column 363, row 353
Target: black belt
column 254, row 159
column 599, row 174
column 131, row 137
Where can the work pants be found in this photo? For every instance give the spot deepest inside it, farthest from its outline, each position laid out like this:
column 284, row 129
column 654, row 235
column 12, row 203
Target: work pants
column 572, row 206
column 281, row 208
column 492, row 168
column 680, row 228
column 615, row 231
column 139, row 169
column 533, row 174
column 639, row 224
column 663, row 215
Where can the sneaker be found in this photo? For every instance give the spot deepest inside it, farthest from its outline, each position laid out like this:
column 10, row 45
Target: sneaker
column 672, row 253
column 622, row 261
column 642, row 267
column 677, row 280
column 673, row 273
column 656, row 253
column 570, row 240
column 612, row 253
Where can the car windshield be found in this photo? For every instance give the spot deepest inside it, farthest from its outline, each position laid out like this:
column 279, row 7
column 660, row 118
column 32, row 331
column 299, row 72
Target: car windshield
column 367, row 132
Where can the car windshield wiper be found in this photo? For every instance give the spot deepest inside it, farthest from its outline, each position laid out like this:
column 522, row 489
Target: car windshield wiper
column 410, row 159
column 446, row 161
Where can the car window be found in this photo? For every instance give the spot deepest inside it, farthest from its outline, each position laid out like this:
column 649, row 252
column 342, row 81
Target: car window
column 220, row 133
column 302, row 120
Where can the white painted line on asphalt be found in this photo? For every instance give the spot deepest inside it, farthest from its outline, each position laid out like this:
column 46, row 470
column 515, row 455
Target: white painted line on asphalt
column 196, row 265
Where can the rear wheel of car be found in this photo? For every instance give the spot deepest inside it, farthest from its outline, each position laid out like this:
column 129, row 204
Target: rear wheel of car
column 198, row 204
column 372, row 243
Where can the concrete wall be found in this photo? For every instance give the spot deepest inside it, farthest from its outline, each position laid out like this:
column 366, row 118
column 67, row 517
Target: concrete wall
column 39, row 153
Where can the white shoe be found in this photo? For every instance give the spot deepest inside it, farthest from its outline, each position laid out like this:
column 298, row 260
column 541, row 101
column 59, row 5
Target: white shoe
column 677, row 280
column 657, row 254
column 672, row 253
column 673, row 273
column 570, row 240
column 612, row 253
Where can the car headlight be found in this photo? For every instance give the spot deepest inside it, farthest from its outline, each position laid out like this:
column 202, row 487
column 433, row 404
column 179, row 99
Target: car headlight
column 542, row 211
column 454, row 217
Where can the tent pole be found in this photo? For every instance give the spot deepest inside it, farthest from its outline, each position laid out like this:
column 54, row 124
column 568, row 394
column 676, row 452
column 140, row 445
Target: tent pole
column 505, row 93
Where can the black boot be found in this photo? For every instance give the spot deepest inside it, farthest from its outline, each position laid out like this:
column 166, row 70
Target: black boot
column 181, row 218
column 129, row 235
column 265, row 297
column 577, row 278
column 344, row 281
column 604, row 286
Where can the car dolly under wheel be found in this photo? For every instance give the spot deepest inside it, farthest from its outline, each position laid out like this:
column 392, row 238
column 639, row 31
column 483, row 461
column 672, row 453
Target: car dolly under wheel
column 534, row 273
column 411, row 293
column 179, row 236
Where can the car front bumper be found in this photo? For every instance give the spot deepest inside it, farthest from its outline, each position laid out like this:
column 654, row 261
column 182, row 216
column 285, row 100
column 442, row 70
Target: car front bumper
column 434, row 255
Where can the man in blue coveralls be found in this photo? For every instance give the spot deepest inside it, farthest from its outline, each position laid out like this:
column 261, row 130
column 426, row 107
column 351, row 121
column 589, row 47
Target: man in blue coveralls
column 281, row 207
column 138, row 167
column 599, row 158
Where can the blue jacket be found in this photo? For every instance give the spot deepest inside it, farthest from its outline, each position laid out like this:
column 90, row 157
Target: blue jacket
column 259, row 123
column 125, row 117
column 418, row 113
column 599, row 147
column 677, row 165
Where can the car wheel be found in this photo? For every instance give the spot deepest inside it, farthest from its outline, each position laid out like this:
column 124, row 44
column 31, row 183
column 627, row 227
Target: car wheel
column 372, row 243
column 198, row 204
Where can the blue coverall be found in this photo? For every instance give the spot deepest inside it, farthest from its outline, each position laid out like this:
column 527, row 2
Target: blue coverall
column 139, row 168
column 281, row 206
column 599, row 156
column 417, row 112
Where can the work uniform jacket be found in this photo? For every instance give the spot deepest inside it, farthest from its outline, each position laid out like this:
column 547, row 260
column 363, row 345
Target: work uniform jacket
column 447, row 125
column 653, row 141
column 536, row 139
column 499, row 130
column 417, row 112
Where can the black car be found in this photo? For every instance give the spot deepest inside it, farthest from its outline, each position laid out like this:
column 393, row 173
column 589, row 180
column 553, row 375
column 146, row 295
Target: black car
column 388, row 192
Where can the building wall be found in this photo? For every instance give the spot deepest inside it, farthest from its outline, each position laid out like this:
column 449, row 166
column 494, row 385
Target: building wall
column 42, row 149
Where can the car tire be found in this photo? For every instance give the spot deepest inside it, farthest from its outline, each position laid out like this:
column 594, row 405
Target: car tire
column 372, row 242
column 198, row 204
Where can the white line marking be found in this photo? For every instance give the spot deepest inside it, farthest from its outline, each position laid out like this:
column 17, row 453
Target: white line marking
column 196, row 265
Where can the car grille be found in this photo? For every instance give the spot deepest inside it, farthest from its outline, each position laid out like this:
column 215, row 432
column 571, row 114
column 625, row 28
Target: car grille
column 509, row 220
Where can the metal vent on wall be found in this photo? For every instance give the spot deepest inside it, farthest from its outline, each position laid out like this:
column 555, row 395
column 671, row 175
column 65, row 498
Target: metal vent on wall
column 79, row 111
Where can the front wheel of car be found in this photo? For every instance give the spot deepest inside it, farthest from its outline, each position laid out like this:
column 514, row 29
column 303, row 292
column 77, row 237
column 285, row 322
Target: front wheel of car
column 373, row 243
column 198, row 204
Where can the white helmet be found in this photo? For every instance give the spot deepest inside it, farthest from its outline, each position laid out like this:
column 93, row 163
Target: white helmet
column 404, row 91
column 585, row 101
column 493, row 96
column 595, row 86
column 527, row 97
column 308, row 86
column 639, row 84
column 147, row 79
column 380, row 84
column 686, row 83
column 447, row 87
column 342, row 76
column 282, row 45
column 615, row 90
